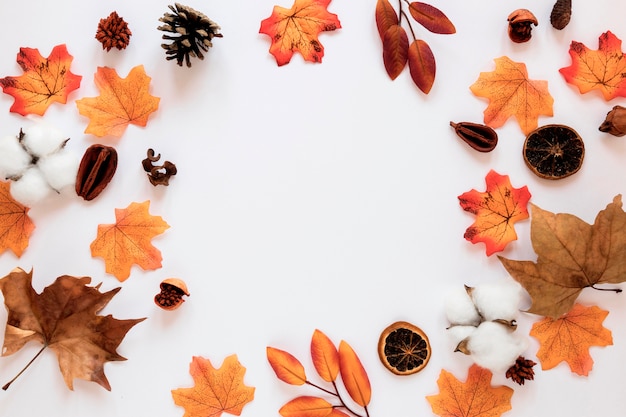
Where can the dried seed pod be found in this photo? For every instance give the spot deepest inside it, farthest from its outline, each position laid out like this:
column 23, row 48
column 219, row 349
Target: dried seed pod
column 95, row 171
column 158, row 174
column 561, row 14
column 520, row 25
column 113, row 32
column 171, row 295
column 480, row 137
column 615, row 122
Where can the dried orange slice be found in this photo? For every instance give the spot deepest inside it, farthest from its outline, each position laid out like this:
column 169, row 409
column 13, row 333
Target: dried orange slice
column 403, row 348
column 554, row 151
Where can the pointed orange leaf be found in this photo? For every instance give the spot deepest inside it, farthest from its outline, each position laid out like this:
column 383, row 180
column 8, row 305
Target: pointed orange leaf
column 496, row 210
column 216, row 391
column 287, row 368
column 602, row 69
column 395, row 50
column 15, row 225
column 297, row 29
column 386, row 17
column 306, row 407
column 353, row 375
column 512, row 93
column 325, row 356
column 128, row 240
column 422, row 65
column 472, row 398
column 568, row 338
column 45, row 80
column 431, row 18
column 122, row 101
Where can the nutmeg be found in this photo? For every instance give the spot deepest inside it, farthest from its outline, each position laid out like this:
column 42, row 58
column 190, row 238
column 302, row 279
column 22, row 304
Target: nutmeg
column 171, row 295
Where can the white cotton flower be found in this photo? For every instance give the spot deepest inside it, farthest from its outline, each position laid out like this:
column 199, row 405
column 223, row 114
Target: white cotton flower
column 42, row 140
column 499, row 300
column 459, row 333
column 59, row 169
column 495, row 347
column 460, row 309
column 31, row 188
column 13, row 158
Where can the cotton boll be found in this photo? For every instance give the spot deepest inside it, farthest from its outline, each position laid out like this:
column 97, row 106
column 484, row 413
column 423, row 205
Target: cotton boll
column 59, row 169
column 31, row 188
column 460, row 309
column 496, row 347
column 13, row 158
column 459, row 333
column 42, row 139
column 499, row 300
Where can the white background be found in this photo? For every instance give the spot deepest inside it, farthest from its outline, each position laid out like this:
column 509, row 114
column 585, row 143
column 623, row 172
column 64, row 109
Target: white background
column 308, row 196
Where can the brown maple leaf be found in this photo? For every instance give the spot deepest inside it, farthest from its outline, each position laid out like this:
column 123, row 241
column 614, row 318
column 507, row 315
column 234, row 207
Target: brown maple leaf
column 297, row 29
column 122, row 101
column 15, row 225
column 45, row 80
column 496, row 210
column 571, row 255
column 512, row 93
column 128, row 240
column 64, row 318
column 603, row 69
column 569, row 338
column 472, row 398
column 216, row 390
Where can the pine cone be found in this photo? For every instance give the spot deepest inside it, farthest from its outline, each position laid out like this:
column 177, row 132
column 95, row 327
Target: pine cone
column 113, row 32
column 521, row 371
column 194, row 33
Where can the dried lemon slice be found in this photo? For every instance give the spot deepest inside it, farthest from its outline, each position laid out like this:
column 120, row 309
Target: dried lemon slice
column 403, row 348
column 554, row 151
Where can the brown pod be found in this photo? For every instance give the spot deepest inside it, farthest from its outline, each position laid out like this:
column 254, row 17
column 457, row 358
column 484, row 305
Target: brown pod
column 615, row 122
column 561, row 14
column 171, row 295
column 480, row 137
column 521, row 23
column 95, row 171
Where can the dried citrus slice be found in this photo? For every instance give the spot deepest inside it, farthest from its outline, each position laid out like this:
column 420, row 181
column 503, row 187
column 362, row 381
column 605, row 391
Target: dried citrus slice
column 554, row 151
column 403, row 348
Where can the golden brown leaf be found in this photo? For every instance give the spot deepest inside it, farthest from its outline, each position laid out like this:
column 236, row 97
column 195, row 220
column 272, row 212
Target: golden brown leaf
column 306, row 406
column 287, row 368
column 431, row 18
column 15, row 225
column 569, row 338
column 216, row 390
column 325, row 356
column 422, row 66
column 386, row 17
column 395, row 50
column 353, row 375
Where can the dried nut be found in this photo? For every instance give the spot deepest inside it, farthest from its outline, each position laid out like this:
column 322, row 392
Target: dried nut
column 520, row 25
column 615, row 122
column 561, row 14
column 171, row 295
column 96, row 170
column 480, row 137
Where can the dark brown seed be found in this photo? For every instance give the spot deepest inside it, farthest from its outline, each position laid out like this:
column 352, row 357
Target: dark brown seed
column 561, row 14
column 96, row 170
column 480, row 137
column 615, row 122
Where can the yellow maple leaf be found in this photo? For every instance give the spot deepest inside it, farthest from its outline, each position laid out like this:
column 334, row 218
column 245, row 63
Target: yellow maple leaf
column 122, row 101
column 128, row 240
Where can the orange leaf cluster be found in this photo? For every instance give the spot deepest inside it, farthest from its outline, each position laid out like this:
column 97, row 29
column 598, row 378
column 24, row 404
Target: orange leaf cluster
column 497, row 210
column 569, row 338
column 329, row 362
column 15, row 225
column 45, row 80
column 216, row 390
column 297, row 29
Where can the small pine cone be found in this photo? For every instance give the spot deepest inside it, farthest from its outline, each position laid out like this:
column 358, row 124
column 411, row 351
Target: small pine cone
column 193, row 31
column 113, row 32
column 521, row 371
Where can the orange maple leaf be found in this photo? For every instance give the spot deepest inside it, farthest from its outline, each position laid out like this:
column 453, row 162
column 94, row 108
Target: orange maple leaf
column 496, row 210
column 473, row 398
column 122, row 101
column 15, row 225
column 511, row 93
column 602, row 70
column 296, row 29
column 569, row 338
column 45, row 80
column 215, row 390
column 128, row 241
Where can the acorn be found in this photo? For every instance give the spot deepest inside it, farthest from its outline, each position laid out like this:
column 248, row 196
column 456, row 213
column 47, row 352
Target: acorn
column 171, row 295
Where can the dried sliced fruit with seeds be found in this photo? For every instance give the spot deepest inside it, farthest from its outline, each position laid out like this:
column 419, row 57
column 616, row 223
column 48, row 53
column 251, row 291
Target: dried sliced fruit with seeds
column 554, row 151
column 404, row 348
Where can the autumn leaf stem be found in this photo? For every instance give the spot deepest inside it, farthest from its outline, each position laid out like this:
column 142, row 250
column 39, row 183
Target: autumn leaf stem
column 336, row 394
column 322, row 389
column 615, row 290
column 8, row 384
column 403, row 13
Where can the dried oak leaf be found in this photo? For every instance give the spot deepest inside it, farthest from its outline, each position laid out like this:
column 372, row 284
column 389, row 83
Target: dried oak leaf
column 15, row 225
column 64, row 318
column 497, row 210
column 569, row 338
column 128, row 240
column 571, row 255
column 473, row 398
column 297, row 29
column 45, row 80
column 122, row 101
column 215, row 390
column 512, row 93
column 603, row 69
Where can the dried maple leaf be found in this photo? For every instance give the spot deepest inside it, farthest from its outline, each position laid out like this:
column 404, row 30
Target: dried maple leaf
column 64, row 318
column 602, row 69
column 45, row 80
column 122, row 101
column 15, row 225
column 512, row 93
column 496, row 210
column 128, row 240
column 569, row 338
column 296, row 29
column 571, row 255
column 473, row 398
column 216, row 390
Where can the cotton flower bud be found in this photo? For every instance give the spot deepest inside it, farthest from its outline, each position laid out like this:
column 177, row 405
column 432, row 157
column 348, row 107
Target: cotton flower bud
column 42, row 140
column 499, row 300
column 31, row 188
column 494, row 346
column 460, row 309
column 13, row 158
column 615, row 122
column 459, row 333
